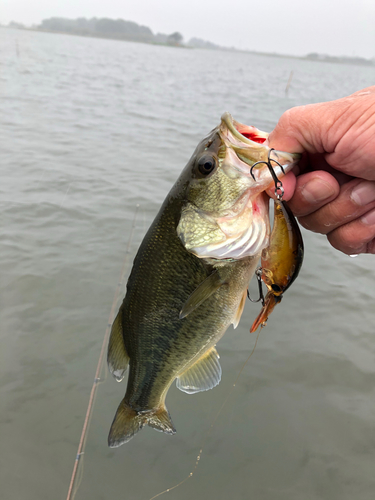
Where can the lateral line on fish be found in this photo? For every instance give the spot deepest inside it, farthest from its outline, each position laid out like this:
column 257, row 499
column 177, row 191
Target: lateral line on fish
column 210, row 429
column 82, row 441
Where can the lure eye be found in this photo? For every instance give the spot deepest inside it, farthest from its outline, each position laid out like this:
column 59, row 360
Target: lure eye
column 206, row 164
column 276, row 288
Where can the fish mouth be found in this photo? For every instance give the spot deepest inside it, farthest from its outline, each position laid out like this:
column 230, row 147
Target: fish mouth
column 251, row 145
column 238, row 227
column 244, row 133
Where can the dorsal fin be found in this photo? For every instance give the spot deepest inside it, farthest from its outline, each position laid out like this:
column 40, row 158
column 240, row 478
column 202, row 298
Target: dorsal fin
column 203, row 375
column 117, row 356
column 209, row 286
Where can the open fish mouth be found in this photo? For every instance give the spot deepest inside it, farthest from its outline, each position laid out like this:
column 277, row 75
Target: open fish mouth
column 244, row 133
column 251, row 145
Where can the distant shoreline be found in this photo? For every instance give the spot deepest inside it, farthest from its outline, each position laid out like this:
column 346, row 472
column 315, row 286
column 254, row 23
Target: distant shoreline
column 314, row 57
column 101, row 37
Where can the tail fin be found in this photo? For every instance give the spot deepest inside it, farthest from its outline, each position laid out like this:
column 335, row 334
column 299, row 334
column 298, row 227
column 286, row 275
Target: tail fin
column 128, row 422
column 160, row 420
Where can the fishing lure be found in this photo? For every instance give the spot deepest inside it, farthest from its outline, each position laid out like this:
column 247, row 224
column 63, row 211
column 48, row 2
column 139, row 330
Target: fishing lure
column 281, row 261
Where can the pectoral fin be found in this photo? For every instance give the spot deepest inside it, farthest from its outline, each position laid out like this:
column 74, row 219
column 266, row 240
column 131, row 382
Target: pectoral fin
column 200, row 294
column 203, row 375
column 239, row 311
column 117, row 356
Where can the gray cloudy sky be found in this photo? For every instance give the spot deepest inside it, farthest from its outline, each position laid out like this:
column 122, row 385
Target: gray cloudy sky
column 336, row 27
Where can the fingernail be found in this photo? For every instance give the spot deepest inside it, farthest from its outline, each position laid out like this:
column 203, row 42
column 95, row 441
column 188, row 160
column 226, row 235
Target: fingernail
column 363, row 193
column 369, row 218
column 317, row 190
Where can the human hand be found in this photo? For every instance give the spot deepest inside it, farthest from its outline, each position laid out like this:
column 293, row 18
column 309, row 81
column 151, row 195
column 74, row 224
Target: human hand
column 333, row 189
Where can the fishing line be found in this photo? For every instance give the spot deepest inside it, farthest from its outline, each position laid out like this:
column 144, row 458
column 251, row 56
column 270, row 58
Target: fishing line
column 97, row 379
column 208, row 432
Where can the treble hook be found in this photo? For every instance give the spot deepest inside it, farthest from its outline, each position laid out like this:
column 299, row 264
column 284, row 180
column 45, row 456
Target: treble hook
column 279, row 190
column 258, row 274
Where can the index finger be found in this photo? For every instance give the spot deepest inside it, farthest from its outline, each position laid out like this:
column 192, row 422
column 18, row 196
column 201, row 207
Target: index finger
column 312, row 191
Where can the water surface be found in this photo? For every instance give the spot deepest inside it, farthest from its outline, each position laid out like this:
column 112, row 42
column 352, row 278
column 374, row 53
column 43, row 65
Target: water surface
column 89, row 129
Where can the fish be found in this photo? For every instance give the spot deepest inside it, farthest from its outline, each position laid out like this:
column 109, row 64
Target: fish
column 190, row 276
column 281, row 261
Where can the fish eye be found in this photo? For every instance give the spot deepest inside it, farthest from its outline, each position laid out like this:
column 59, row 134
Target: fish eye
column 206, row 164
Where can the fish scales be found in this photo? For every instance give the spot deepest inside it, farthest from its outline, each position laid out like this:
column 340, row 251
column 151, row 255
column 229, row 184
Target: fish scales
column 176, row 273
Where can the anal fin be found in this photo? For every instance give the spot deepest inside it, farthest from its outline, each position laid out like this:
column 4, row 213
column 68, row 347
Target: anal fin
column 203, row 375
column 117, row 356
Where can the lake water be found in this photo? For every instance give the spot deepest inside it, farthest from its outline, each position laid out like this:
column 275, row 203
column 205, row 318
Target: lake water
column 89, row 129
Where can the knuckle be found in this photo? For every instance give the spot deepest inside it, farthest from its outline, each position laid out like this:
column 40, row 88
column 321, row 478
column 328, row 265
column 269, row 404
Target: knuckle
column 352, row 238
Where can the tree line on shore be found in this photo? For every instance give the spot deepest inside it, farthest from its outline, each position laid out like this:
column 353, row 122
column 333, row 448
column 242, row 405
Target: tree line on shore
column 109, row 28
column 114, row 28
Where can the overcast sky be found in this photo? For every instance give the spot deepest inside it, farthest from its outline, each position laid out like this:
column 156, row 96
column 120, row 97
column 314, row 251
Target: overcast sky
column 336, row 27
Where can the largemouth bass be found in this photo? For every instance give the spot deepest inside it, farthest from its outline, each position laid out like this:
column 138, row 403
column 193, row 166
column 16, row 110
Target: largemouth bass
column 190, row 276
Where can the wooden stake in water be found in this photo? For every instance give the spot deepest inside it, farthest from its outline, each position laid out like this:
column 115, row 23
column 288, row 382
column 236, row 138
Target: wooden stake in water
column 288, row 84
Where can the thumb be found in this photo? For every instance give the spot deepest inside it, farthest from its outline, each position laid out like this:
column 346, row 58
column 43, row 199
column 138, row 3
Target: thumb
column 301, row 129
column 319, row 128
